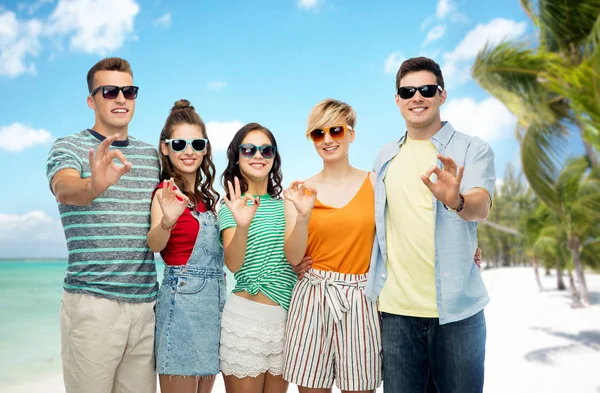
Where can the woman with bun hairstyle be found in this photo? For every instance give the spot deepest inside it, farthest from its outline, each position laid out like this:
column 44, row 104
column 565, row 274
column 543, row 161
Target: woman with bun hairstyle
column 252, row 225
column 184, row 229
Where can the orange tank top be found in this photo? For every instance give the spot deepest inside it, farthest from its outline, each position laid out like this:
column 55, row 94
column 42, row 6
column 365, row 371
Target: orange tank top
column 341, row 240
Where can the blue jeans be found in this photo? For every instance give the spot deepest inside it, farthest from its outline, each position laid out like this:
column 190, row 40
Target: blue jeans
column 420, row 355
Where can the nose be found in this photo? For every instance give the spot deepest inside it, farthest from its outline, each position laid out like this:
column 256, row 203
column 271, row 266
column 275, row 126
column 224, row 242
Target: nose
column 188, row 149
column 120, row 97
column 258, row 153
column 328, row 139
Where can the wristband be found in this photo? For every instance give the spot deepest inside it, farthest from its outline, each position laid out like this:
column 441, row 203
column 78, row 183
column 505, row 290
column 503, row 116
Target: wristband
column 460, row 206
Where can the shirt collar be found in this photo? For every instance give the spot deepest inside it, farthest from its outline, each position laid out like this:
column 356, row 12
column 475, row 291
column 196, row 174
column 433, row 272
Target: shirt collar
column 440, row 138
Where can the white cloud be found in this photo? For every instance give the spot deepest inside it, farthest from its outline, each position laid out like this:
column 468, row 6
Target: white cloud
column 35, row 225
column 435, row 34
column 17, row 137
column 442, row 9
column 488, row 119
column 163, row 21
column 94, row 26
column 307, row 4
column 461, row 57
column 220, row 134
column 392, row 64
column 445, row 10
column 19, row 41
column 217, row 85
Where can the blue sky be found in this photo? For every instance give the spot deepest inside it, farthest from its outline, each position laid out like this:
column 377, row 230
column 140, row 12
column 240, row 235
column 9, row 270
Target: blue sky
column 237, row 62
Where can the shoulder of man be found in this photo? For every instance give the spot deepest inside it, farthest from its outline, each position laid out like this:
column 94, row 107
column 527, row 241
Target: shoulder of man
column 471, row 143
column 383, row 154
column 140, row 143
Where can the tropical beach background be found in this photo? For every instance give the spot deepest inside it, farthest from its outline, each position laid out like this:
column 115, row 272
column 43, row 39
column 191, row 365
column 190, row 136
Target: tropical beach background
column 523, row 75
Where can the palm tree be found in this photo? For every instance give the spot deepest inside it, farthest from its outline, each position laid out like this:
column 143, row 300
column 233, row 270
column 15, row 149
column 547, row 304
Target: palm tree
column 550, row 88
column 577, row 191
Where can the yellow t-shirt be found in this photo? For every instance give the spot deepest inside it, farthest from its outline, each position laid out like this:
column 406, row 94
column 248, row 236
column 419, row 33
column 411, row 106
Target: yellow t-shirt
column 410, row 286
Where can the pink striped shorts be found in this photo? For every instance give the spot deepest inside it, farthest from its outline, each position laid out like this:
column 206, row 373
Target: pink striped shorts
column 333, row 332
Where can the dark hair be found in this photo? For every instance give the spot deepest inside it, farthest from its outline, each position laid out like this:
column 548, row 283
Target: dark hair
column 419, row 64
column 233, row 156
column 108, row 64
column 183, row 113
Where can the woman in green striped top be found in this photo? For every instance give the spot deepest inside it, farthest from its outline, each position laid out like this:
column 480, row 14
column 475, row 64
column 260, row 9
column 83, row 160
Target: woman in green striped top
column 252, row 225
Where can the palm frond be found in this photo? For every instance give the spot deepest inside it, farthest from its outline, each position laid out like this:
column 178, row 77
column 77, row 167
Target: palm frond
column 543, row 150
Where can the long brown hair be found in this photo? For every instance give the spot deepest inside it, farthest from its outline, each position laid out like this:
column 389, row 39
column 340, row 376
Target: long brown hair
column 274, row 187
column 183, row 113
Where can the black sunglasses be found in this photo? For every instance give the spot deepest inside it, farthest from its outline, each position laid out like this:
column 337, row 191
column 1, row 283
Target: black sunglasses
column 177, row 145
column 427, row 91
column 248, row 150
column 111, row 92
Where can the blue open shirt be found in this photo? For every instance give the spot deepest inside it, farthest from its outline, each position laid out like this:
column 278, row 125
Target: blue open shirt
column 460, row 291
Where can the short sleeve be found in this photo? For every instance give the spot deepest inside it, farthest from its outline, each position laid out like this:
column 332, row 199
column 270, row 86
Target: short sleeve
column 226, row 219
column 61, row 157
column 479, row 168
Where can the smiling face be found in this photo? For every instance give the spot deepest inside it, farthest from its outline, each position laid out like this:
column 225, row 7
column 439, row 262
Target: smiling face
column 186, row 162
column 112, row 116
column 256, row 169
column 331, row 150
column 418, row 111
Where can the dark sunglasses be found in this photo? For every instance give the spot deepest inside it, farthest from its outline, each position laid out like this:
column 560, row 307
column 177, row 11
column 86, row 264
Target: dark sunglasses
column 248, row 150
column 178, row 145
column 111, row 92
column 426, row 91
column 336, row 132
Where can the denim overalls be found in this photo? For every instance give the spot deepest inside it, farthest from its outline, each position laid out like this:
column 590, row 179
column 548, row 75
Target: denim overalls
column 189, row 306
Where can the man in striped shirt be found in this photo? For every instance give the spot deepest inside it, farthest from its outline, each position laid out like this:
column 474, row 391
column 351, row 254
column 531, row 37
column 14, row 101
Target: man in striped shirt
column 103, row 180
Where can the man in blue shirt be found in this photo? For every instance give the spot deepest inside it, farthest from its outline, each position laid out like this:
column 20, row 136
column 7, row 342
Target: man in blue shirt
column 433, row 185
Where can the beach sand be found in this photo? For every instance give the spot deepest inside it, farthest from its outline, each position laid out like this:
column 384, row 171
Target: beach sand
column 536, row 341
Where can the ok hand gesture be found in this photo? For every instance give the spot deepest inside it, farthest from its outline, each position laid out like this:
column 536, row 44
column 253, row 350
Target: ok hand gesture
column 241, row 211
column 302, row 196
column 446, row 189
column 172, row 202
column 104, row 171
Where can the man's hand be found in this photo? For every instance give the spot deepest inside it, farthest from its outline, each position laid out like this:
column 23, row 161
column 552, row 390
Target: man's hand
column 104, row 171
column 302, row 267
column 477, row 257
column 446, row 189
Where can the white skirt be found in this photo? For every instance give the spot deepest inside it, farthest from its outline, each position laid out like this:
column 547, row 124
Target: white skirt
column 252, row 338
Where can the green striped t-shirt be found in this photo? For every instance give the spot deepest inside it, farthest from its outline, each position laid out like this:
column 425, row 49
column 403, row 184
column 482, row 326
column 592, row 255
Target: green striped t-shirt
column 106, row 240
column 265, row 268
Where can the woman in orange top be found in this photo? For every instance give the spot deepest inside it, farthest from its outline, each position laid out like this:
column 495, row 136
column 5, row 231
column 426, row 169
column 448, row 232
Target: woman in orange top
column 333, row 330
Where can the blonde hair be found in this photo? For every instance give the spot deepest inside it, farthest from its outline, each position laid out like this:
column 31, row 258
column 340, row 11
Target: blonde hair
column 328, row 111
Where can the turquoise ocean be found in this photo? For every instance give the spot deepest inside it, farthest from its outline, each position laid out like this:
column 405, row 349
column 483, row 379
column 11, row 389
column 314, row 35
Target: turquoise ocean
column 30, row 294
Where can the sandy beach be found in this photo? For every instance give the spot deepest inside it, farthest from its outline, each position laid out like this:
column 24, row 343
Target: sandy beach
column 536, row 341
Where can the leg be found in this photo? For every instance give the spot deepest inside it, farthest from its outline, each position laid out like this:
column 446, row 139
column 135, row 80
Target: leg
column 458, row 355
column 234, row 384
column 136, row 371
column 359, row 345
column 275, row 384
column 93, row 338
column 177, row 384
column 205, row 384
column 405, row 362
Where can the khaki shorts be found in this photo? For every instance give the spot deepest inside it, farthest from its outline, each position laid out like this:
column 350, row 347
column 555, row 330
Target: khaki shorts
column 107, row 345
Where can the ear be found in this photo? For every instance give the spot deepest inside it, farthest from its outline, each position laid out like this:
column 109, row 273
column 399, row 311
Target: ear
column 443, row 96
column 352, row 135
column 91, row 103
column 164, row 149
column 397, row 98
